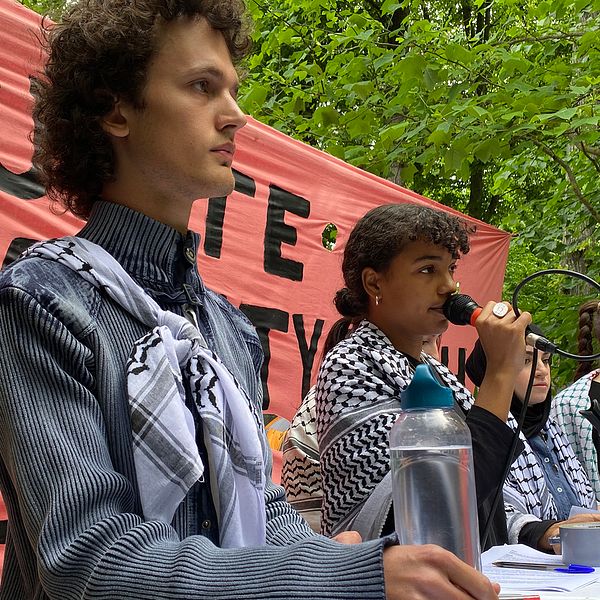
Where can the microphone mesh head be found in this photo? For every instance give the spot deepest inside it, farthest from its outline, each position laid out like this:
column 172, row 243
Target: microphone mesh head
column 459, row 308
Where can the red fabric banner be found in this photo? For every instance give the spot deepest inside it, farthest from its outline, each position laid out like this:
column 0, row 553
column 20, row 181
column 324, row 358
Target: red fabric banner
column 261, row 246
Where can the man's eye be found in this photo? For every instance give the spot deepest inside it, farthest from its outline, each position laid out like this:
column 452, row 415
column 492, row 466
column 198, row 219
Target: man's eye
column 201, row 86
column 429, row 269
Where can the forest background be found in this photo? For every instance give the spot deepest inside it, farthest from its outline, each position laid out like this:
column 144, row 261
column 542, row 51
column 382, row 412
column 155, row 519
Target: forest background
column 491, row 107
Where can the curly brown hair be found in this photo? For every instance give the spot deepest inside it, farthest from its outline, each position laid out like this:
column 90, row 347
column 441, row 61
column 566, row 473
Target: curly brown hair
column 100, row 51
column 379, row 236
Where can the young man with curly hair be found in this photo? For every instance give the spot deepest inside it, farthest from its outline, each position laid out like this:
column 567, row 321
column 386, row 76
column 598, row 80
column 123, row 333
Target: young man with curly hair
column 133, row 461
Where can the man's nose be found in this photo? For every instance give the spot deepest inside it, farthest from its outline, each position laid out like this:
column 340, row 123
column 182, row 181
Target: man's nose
column 232, row 115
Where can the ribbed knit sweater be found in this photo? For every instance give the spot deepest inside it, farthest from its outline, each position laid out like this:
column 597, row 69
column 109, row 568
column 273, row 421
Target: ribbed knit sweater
column 67, row 475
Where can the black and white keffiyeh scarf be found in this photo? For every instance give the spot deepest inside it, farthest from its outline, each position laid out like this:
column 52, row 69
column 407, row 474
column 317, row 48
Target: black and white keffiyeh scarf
column 566, row 409
column 165, row 366
column 357, row 402
column 526, row 489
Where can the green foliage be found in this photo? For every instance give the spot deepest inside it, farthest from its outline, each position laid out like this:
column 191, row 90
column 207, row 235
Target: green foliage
column 426, row 93
column 489, row 106
column 329, row 236
column 51, row 8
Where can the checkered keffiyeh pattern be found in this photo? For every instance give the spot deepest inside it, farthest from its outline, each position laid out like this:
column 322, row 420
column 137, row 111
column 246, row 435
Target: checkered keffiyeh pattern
column 526, row 492
column 166, row 366
column 301, row 471
column 357, row 403
column 566, row 409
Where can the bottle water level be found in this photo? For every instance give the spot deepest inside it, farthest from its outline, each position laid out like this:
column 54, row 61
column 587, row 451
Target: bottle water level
column 434, row 499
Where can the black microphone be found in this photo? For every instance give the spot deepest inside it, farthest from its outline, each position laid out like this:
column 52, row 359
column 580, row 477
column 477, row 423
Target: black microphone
column 461, row 309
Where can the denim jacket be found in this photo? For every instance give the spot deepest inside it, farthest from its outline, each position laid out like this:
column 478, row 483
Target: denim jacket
column 67, row 475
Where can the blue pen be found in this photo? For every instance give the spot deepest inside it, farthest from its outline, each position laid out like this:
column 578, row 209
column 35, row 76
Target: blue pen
column 544, row 567
column 572, row 568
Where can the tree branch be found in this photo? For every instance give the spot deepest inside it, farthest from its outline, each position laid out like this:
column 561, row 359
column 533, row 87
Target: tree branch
column 590, row 149
column 589, row 156
column 570, row 175
column 541, row 38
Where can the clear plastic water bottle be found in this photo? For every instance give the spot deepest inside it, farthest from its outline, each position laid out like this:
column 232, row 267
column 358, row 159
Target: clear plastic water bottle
column 433, row 482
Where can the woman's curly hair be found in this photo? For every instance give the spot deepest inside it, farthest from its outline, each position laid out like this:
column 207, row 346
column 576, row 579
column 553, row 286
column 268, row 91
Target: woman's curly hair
column 98, row 53
column 382, row 234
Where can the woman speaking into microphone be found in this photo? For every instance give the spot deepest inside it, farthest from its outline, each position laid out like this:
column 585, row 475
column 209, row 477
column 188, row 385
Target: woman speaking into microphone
column 398, row 270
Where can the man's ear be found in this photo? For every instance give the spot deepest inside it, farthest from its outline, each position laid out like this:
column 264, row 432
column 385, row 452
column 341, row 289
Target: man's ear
column 370, row 281
column 115, row 122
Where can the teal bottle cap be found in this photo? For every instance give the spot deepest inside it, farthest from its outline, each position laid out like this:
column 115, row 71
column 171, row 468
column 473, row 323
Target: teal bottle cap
column 425, row 391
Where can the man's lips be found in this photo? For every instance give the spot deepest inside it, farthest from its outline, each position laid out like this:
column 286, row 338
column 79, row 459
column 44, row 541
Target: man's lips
column 227, row 150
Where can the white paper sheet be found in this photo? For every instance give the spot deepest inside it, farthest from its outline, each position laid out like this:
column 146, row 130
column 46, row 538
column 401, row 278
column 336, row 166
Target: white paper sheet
column 529, row 580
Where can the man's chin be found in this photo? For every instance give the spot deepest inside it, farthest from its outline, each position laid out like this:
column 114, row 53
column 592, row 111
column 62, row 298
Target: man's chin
column 218, row 189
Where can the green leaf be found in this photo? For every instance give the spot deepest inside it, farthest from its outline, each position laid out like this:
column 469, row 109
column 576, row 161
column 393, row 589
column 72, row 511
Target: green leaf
column 393, row 132
column 360, row 124
column 383, row 61
column 591, row 121
column 256, row 96
column 326, row 115
column 430, row 78
column 412, row 66
column 453, row 158
column 389, row 7
column 438, row 137
column 407, row 173
column 457, row 53
column 485, row 150
column 566, row 113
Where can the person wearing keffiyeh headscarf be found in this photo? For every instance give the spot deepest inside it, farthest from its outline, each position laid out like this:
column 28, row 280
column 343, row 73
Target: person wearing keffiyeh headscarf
column 546, row 480
column 398, row 269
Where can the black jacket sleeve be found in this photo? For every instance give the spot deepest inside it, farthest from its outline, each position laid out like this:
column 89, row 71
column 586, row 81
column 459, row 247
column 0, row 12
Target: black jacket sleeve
column 492, row 439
